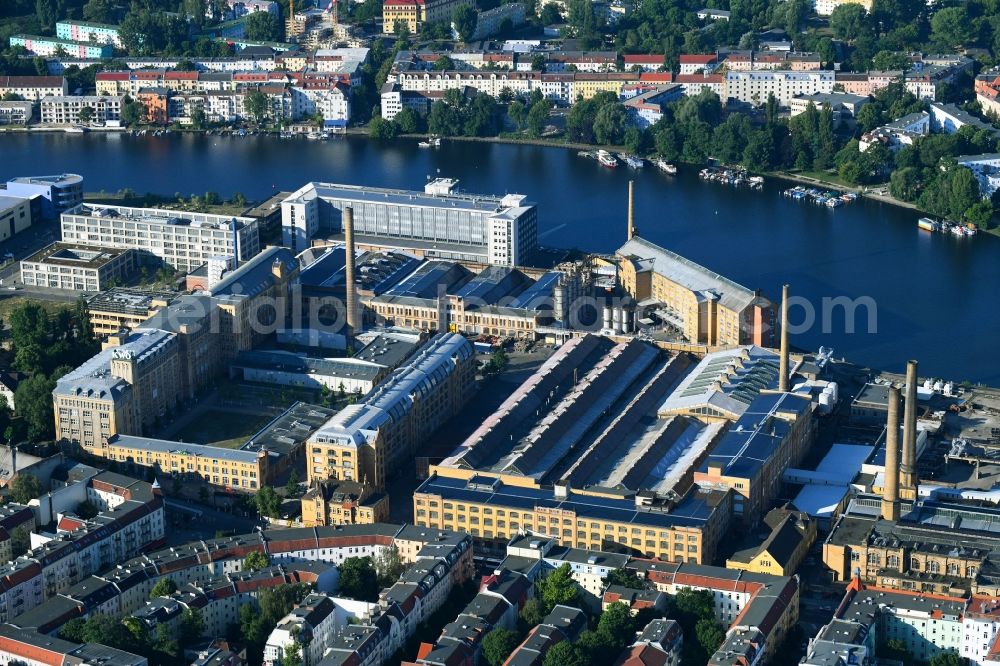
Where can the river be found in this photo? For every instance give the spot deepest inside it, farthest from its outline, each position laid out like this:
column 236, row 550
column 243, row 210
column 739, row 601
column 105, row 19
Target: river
column 936, row 295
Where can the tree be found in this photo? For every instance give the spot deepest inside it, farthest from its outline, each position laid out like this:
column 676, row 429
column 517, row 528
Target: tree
column 25, row 488
column 609, row 124
column 849, row 21
column 498, row 645
column 388, row 565
column 538, row 114
column 292, row 485
column 358, row 579
column 532, row 613
column 85, row 114
column 380, row 128
column 517, row 113
column 980, row 214
column 198, row 113
column 616, row 624
column 192, row 626
column 257, row 103
column 624, row 578
column 550, row 14
column 292, row 655
column 33, row 398
column 256, row 560
column 464, row 18
column 564, row 654
column 163, row 588
column 558, row 588
column 947, row 658
column 20, row 541
column 86, row 510
column 538, row 63
column 952, row 27
column 99, row 11
column 133, row 112
column 268, row 502
column 710, row 634
column 262, row 27
column 408, row 121
column 890, row 61
column 444, row 63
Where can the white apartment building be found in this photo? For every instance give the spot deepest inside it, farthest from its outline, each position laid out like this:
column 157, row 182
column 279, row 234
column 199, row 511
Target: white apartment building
column 986, row 169
column 826, row 7
column 16, row 113
column 314, row 624
column 181, row 239
column 33, row 88
column 67, row 110
column 756, row 86
column 332, row 103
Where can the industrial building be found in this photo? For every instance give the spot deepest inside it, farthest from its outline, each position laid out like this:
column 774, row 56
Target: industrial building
column 182, row 240
column 79, row 268
column 15, row 215
column 438, row 222
column 400, row 289
column 374, row 438
column 267, row 454
column 705, row 307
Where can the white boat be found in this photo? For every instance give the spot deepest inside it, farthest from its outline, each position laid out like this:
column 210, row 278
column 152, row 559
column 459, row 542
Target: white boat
column 436, row 142
column 606, row 159
column 665, row 167
column 424, row 144
column 75, row 129
column 633, row 161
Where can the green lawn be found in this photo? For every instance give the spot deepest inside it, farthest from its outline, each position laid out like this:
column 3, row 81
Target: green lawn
column 228, row 430
column 8, row 303
column 826, row 176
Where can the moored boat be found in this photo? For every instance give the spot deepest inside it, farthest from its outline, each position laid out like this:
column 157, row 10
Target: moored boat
column 927, row 224
column 606, row 159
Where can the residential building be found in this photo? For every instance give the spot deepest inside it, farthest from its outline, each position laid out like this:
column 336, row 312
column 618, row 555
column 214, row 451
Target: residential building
column 342, row 502
column 15, row 216
column 646, row 109
column 312, row 625
column 414, row 13
column 713, row 15
column 85, row 31
column 372, row 439
column 33, row 88
column 949, row 118
column 826, row 7
column 652, row 62
column 122, row 390
column 564, row 623
column 483, row 229
column 184, row 240
column 844, row 106
column 488, row 22
column 54, row 46
column 707, row 308
column 987, row 87
column 694, row 84
column 756, row 86
column 70, row 110
column 16, row 113
column 58, row 192
column 79, row 268
column 589, row 568
column 986, row 169
column 660, row 642
column 895, row 135
column 779, row 547
column 697, row 64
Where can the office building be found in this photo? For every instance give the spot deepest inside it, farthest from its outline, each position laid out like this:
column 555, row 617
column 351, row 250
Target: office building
column 58, row 192
column 378, row 436
column 33, row 88
column 111, row 310
column 122, row 390
column 78, row 268
column 75, row 109
column 704, row 306
column 439, row 222
column 85, row 31
column 53, row 46
column 414, row 13
column 182, row 240
column 333, row 502
column 15, row 215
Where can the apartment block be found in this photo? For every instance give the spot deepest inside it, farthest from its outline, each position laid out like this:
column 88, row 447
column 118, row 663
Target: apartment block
column 33, row 88
column 183, row 240
column 333, row 502
column 414, row 13
column 373, row 439
column 68, row 110
column 826, row 7
column 756, row 86
column 54, row 46
column 16, row 113
column 86, row 31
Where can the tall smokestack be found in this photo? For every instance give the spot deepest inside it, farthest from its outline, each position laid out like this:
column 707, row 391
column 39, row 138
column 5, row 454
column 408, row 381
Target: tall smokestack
column 352, row 314
column 783, row 363
column 890, row 491
column 908, row 470
column 631, row 209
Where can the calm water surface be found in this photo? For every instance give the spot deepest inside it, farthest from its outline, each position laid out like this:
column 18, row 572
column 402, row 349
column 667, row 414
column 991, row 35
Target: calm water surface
column 937, row 296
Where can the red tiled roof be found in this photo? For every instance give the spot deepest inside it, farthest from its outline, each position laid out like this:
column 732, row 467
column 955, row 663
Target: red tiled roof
column 31, row 81
column 697, row 59
column 656, row 77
